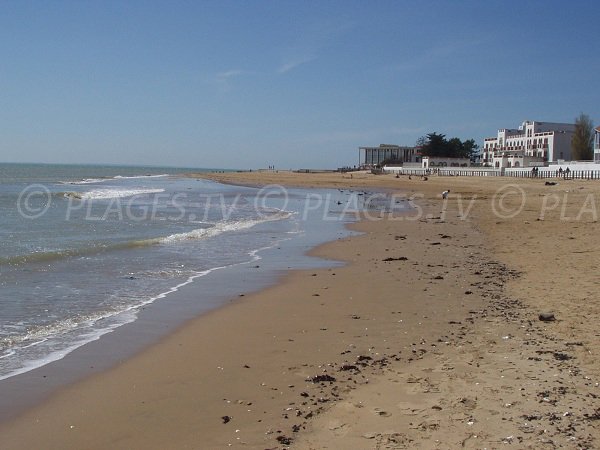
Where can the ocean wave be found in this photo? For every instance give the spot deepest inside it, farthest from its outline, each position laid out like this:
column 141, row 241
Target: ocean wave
column 117, row 177
column 44, row 343
column 211, row 230
column 79, row 330
column 85, row 331
column 52, row 255
column 87, row 181
column 117, row 193
column 37, row 335
column 103, row 194
column 223, row 227
column 141, row 176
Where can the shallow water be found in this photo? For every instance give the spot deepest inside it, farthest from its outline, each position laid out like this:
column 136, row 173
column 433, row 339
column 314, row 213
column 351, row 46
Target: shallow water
column 84, row 249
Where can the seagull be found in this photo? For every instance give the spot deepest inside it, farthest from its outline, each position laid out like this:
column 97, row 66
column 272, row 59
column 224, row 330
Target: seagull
column 445, row 193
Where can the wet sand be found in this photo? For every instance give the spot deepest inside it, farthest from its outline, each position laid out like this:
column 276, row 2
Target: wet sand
column 428, row 338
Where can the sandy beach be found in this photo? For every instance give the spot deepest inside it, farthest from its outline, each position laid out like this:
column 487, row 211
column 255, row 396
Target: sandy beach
column 429, row 337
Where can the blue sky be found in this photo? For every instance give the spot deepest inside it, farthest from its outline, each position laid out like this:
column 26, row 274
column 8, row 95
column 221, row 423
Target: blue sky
column 296, row 84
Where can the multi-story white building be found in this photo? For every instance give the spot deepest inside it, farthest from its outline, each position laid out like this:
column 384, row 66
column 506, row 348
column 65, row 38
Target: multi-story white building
column 533, row 143
column 597, row 144
column 372, row 156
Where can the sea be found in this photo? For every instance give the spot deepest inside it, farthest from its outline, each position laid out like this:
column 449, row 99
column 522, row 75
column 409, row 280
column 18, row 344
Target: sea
column 85, row 249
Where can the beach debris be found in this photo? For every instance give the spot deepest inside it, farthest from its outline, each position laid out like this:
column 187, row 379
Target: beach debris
column 322, row 378
column 550, row 183
column 546, row 317
column 508, row 439
column 561, row 356
column 284, row 440
column 226, row 419
column 594, row 416
column 445, row 193
column 400, row 258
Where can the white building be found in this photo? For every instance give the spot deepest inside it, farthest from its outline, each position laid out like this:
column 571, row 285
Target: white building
column 373, row 156
column 597, row 144
column 533, row 143
column 434, row 162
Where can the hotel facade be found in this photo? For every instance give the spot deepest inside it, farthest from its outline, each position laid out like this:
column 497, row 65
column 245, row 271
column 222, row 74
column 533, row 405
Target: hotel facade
column 531, row 144
column 597, row 144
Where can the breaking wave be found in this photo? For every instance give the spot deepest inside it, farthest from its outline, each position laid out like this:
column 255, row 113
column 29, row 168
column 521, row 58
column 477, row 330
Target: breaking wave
column 102, row 194
column 210, row 231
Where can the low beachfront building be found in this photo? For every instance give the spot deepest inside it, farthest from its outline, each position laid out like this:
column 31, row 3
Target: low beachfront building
column 531, row 144
column 597, row 144
column 436, row 162
column 374, row 156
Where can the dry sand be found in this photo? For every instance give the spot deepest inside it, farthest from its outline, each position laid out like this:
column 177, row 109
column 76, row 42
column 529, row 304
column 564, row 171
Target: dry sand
column 428, row 338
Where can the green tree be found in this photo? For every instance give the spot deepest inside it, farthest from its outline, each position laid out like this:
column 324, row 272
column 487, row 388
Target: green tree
column 471, row 149
column 456, row 149
column 582, row 142
column 435, row 145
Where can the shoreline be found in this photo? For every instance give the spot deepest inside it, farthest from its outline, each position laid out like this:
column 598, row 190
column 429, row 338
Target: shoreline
column 399, row 331
column 222, row 285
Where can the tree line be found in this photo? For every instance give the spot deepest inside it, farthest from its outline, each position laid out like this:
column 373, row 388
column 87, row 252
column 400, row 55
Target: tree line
column 436, row 145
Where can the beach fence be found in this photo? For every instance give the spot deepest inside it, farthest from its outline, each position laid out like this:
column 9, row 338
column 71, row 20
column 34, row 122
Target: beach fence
column 446, row 171
column 576, row 171
column 468, row 172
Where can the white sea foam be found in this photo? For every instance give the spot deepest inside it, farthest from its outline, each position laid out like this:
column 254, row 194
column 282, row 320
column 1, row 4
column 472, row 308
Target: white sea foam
column 89, row 335
column 98, row 194
column 222, row 227
column 142, row 176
